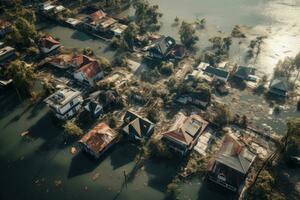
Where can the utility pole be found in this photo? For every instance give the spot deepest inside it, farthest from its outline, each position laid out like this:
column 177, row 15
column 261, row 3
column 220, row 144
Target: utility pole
column 125, row 178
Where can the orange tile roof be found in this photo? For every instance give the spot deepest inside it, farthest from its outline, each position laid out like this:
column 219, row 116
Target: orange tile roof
column 99, row 137
column 48, row 42
column 179, row 131
column 81, row 60
column 4, row 24
column 97, row 15
column 62, row 59
column 91, row 69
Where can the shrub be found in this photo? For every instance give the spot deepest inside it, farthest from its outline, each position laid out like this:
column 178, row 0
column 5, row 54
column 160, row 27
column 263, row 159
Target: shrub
column 72, row 129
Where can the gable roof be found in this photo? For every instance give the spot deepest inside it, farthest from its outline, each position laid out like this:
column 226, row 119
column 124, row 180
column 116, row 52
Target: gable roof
column 164, row 45
column 137, row 125
column 48, row 42
column 235, row 155
column 244, row 72
column 81, row 60
column 186, row 129
column 91, row 69
column 216, row 71
column 4, row 24
column 97, row 15
column 99, row 137
column 62, row 60
column 279, row 84
column 93, row 106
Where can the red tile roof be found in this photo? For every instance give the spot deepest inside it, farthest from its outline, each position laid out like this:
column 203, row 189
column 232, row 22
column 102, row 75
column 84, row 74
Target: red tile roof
column 4, row 24
column 48, row 42
column 91, row 69
column 81, row 60
column 62, row 59
column 183, row 125
column 99, row 137
column 97, row 15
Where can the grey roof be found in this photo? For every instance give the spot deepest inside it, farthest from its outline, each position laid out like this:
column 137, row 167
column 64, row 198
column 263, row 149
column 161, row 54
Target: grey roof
column 164, row 45
column 237, row 162
column 243, row 72
column 279, row 84
column 235, row 155
column 136, row 125
column 216, row 71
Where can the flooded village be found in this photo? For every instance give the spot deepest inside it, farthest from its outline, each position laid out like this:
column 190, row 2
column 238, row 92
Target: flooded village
column 149, row 99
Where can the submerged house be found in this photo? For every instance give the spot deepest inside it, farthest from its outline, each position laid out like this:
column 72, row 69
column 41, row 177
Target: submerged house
column 65, row 103
column 230, row 166
column 62, row 61
column 99, row 140
column 198, row 99
column 184, row 133
column 7, row 54
column 217, row 73
column 81, row 60
column 94, row 107
column 162, row 48
column 48, row 44
column 118, row 29
column 245, row 73
column 89, row 73
column 279, row 87
column 137, row 127
column 4, row 27
column 91, row 22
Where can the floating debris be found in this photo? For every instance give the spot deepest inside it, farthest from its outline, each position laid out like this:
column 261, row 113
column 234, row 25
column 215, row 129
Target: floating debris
column 73, row 150
column 57, row 183
column 24, row 133
column 95, row 176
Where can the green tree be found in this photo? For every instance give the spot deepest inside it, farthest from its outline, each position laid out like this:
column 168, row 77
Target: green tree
column 223, row 114
column 146, row 15
column 22, row 34
column 129, row 35
column 22, row 75
column 188, row 34
column 72, row 129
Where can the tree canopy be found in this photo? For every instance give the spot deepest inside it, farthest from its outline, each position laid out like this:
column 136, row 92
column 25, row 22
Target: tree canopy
column 22, row 75
column 188, row 34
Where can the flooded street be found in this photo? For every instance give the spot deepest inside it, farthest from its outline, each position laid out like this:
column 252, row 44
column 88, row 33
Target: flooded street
column 42, row 164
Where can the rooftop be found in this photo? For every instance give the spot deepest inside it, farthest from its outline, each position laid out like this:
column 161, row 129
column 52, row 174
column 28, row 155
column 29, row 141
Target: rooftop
column 216, row 71
column 6, row 50
column 81, row 60
column 91, row 69
column 235, row 155
column 48, row 42
column 186, row 129
column 97, row 15
column 62, row 97
column 99, row 137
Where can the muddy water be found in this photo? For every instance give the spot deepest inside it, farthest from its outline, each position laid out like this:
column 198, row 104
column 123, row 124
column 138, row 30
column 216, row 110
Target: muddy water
column 42, row 167
column 276, row 19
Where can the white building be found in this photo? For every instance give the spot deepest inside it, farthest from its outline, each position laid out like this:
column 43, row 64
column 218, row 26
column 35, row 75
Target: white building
column 65, row 103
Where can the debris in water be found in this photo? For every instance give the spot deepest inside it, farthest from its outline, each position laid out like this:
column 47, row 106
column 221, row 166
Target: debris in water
column 95, row 176
column 73, row 150
column 57, row 183
column 24, row 133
